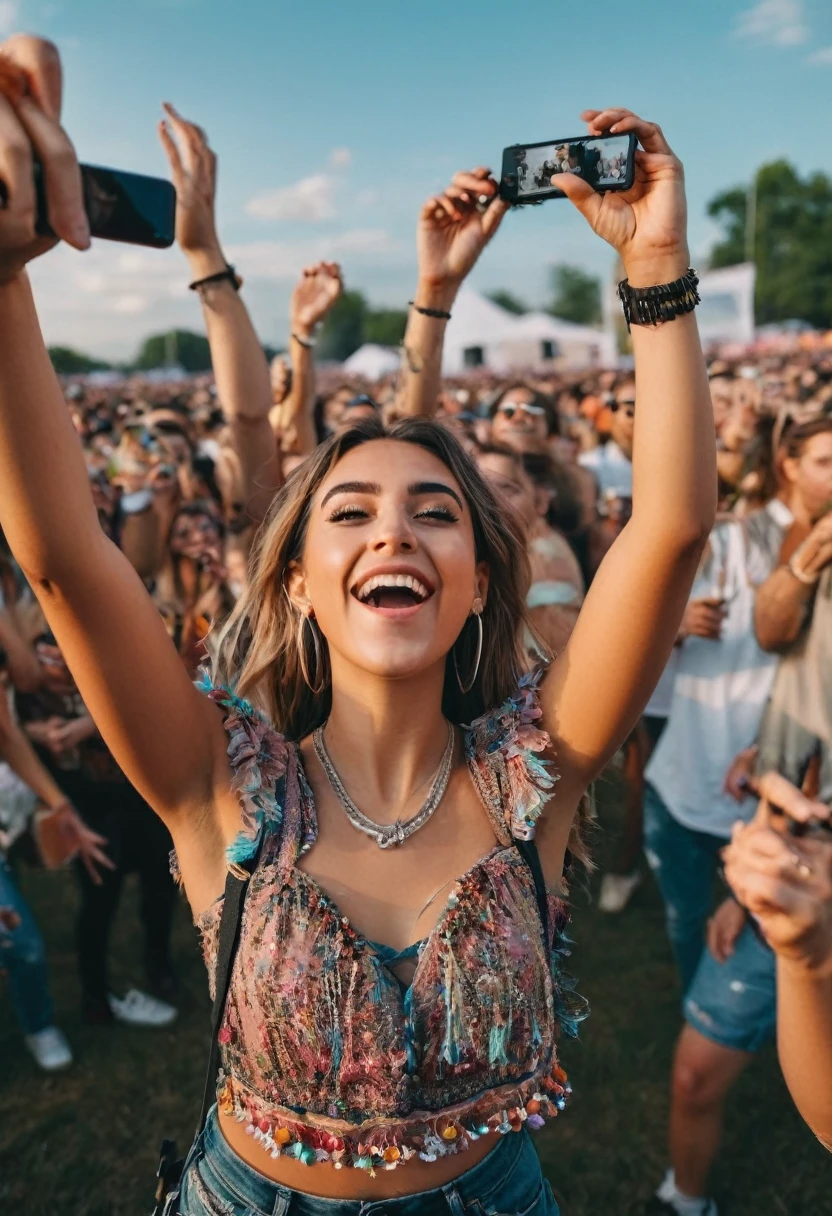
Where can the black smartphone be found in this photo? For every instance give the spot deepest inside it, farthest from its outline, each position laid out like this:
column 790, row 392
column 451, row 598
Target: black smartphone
column 127, row 207
column 607, row 162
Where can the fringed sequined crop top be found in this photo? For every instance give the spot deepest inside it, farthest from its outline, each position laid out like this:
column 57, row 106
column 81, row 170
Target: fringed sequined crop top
column 326, row 1055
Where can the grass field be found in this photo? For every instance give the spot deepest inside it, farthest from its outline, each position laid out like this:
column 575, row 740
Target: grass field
column 84, row 1143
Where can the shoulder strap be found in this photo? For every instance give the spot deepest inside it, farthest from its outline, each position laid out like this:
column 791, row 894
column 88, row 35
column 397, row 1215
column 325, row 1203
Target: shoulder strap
column 229, row 937
column 528, row 851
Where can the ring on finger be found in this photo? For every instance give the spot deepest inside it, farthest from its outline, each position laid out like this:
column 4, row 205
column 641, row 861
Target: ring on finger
column 800, row 865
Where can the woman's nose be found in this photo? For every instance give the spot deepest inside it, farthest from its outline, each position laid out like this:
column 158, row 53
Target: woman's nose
column 394, row 534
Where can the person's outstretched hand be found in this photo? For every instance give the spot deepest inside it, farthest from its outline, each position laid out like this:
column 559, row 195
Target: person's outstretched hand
column 194, row 169
column 785, row 881
column 648, row 223
column 316, row 291
column 454, row 228
column 30, row 130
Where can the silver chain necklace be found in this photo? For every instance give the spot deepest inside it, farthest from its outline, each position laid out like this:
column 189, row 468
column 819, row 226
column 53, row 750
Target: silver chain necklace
column 386, row 834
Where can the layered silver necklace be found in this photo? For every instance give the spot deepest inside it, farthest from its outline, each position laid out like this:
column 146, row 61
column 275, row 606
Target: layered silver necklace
column 387, row 834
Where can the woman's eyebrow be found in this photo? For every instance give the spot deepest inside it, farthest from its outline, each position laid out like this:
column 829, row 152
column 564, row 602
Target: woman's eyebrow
column 351, row 487
column 434, row 487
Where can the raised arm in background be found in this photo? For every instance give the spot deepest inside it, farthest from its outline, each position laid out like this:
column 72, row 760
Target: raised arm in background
column 784, row 602
column 163, row 733
column 785, row 882
column 453, row 230
column 315, row 293
column 596, row 689
column 239, row 361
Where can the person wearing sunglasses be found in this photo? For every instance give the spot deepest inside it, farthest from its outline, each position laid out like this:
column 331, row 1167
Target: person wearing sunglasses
column 522, row 418
column 612, row 463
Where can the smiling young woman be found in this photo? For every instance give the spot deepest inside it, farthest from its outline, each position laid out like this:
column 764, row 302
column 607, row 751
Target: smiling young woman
column 388, row 1007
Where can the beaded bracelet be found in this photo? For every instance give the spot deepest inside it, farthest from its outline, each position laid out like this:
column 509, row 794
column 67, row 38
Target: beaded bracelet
column 664, row 302
column 220, row 277
column 439, row 313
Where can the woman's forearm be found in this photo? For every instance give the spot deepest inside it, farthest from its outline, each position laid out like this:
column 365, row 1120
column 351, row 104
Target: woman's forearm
column 804, row 1043
column 299, row 407
column 674, row 454
column 46, row 506
column 17, row 751
column 422, row 348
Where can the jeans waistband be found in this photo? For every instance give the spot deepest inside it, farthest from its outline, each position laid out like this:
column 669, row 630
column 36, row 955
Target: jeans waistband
column 511, row 1152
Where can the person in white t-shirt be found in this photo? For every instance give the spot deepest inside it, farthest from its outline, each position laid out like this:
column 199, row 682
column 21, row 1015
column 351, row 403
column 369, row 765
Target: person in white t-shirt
column 612, row 464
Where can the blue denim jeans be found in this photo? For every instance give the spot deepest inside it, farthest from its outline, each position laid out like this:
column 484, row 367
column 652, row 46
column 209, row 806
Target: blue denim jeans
column 735, row 1003
column 23, row 955
column 684, row 863
column 508, row 1182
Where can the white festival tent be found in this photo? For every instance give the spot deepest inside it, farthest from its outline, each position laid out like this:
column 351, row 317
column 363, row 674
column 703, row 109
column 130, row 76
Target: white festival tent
column 372, row 361
column 481, row 334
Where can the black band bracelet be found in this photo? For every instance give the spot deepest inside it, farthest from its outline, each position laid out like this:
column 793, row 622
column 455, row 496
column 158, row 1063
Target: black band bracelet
column 655, row 305
column 431, row 312
column 221, row 276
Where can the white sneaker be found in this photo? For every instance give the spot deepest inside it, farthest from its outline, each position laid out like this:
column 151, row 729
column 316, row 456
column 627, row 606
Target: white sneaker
column 139, row 1009
column 50, row 1049
column 616, row 890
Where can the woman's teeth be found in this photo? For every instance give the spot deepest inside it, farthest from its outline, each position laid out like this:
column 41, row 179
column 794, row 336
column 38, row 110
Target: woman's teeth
column 392, row 582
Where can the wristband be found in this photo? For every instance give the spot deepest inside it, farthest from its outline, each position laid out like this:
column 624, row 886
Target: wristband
column 808, row 580
column 220, row 277
column 664, row 302
column 306, row 343
column 439, row 313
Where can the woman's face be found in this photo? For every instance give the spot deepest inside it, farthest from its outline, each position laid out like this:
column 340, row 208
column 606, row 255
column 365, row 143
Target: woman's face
column 518, row 419
column 193, row 536
column 389, row 567
column 511, row 482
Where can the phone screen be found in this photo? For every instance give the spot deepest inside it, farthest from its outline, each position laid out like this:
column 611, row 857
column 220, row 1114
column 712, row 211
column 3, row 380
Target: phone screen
column 606, row 162
column 120, row 206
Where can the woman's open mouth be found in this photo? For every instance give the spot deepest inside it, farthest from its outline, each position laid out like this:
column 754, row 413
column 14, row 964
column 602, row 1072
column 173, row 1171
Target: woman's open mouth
column 393, row 595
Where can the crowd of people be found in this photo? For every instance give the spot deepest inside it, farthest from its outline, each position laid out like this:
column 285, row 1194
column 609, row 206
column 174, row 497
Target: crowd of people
column 725, row 770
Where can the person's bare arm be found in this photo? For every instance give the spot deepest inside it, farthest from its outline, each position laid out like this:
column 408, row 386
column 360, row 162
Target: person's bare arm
column 239, row 361
column 21, row 660
column 315, row 293
column 452, row 233
column 784, row 601
column 162, row 732
column 595, row 691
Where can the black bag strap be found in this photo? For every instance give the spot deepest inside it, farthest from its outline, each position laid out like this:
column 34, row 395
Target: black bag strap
column 528, row 851
column 231, row 921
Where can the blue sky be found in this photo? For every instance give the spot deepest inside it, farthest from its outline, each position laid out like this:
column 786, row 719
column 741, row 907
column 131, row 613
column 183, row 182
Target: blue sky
column 333, row 120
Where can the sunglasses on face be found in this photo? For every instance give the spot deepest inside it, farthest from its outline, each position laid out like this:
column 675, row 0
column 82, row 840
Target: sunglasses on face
column 524, row 407
column 629, row 407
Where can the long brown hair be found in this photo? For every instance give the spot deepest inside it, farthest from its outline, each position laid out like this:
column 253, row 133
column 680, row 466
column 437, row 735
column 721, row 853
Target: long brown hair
column 256, row 650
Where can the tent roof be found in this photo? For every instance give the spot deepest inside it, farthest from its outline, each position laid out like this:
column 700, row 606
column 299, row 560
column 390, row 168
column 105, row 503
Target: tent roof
column 476, row 320
column 372, row 361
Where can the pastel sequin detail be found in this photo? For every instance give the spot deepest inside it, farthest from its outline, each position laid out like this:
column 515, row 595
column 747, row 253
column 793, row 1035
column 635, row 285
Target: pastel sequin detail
column 326, row 1056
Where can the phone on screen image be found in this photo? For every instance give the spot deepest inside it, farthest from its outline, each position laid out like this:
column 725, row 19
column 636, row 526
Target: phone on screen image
column 120, row 206
column 607, row 162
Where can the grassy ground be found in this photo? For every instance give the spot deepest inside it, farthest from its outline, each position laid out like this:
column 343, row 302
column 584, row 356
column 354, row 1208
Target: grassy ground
column 84, row 1143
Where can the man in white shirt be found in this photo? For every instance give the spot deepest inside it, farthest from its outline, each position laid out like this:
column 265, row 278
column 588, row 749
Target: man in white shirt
column 612, row 463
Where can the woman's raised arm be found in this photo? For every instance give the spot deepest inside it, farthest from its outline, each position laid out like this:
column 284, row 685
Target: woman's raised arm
column 159, row 728
column 596, row 690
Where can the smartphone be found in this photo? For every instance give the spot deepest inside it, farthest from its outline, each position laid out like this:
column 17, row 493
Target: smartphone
column 607, row 162
column 126, row 207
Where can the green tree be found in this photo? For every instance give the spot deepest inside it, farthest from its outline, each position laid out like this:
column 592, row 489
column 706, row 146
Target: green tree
column 509, row 302
column 343, row 329
column 69, row 362
column 385, row 326
column 180, row 346
column 576, row 296
column 792, row 242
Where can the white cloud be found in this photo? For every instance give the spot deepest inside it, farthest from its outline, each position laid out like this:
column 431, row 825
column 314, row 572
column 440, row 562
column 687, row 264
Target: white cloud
column 311, row 200
column 340, row 158
column 282, row 260
column 822, row 57
column 9, row 16
column 774, row 22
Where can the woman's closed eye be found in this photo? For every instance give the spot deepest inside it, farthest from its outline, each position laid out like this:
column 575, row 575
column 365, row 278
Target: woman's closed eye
column 439, row 512
column 348, row 512
column 351, row 513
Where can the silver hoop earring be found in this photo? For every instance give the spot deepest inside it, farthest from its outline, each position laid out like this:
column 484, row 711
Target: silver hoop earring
column 465, row 688
column 319, row 683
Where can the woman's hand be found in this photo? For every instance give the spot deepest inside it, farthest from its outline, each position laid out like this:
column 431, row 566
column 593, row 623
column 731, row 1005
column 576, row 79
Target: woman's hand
column 80, row 841
column 67, row 733
column 647, row 224
column 30, row 107
column 315, row 293
column 815, row 554
column 194, row 170
column 784, row 881
column 453, row 230
column 724, row 927
column 738, row 778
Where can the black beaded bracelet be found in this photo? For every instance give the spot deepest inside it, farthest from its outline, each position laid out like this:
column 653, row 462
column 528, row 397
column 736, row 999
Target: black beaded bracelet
column 431, row 312
column 220, row 277
column 665, row 302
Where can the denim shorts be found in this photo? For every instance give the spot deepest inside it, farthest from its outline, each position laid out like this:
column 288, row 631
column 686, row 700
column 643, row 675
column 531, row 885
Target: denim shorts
column 734, row 1003
column 508, row 1182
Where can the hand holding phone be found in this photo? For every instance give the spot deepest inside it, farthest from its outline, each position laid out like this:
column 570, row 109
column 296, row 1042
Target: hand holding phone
column 531, row 170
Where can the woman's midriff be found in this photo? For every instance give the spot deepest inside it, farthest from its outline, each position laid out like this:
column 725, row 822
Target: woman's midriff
column 324, row 1180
